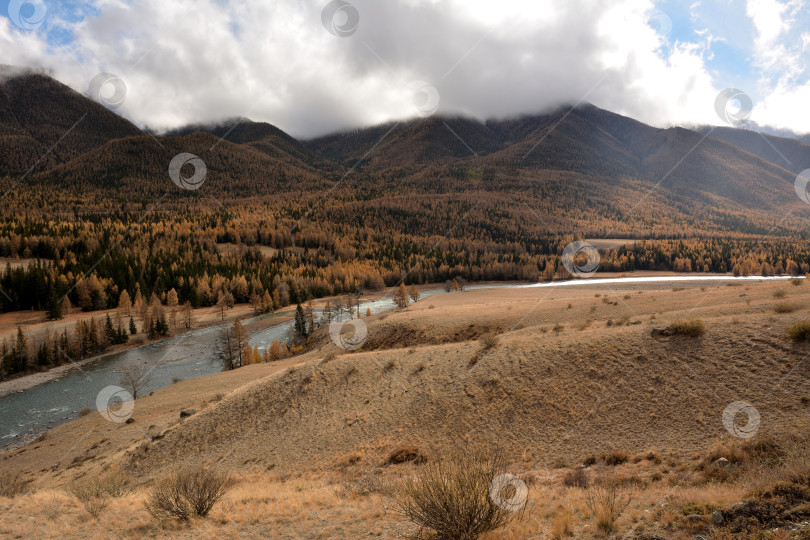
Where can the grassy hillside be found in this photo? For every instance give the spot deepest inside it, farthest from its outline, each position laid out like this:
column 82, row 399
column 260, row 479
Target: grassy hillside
column 572, row 376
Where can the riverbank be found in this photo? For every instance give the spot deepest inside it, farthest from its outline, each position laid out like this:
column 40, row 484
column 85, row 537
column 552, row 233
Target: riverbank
column 206, row 317
column 210, row 316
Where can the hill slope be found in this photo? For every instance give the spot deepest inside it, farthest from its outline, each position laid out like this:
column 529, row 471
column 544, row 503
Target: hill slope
column 37, row 112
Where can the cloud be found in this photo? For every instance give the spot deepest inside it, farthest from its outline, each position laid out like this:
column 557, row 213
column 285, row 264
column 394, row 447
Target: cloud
column 192, row 61
column 780, row 52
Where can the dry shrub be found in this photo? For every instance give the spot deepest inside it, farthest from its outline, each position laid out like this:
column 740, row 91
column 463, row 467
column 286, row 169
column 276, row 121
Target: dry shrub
column 85, row 411
column 607, row 500
column 576, row 478
column 189, row 492
column 779, row 293
column 691, row 328
column 489, row 341
column 96, row 493
column 405, row 454
column 800, row 331
column 12, row 484
column 616, row 458
column 785, row 307
column 752, row 455
column 451, row 496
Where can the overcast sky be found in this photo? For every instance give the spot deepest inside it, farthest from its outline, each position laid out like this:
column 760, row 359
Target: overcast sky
column 313, row 66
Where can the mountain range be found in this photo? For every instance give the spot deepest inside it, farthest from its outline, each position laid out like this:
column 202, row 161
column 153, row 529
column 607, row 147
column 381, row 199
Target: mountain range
column 570, row 161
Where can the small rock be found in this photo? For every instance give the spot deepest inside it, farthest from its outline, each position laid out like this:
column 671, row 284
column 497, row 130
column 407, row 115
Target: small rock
column 129, row 420
column 717, row 517
column 722, row 462
column 657, row 332
column 187, row 412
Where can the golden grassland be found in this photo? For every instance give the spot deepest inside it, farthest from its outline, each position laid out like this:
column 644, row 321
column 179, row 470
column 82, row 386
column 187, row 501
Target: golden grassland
column 554, row 379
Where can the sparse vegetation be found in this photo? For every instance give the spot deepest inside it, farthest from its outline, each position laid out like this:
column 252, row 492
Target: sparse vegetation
column 189, row 492
column 95, row 493
column 691, row 328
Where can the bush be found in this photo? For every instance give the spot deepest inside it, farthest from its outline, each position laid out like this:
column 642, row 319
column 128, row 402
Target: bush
column 489, row 341
column 779, row 293
column 692, row 328
column 800, row 331
column 452, row 497
column 190, row 492
column 785, row 307
column 616, row 458
column 607, row 500
column 12, row 484
column 404, row 454
column 576, row 478
column 95, row 494
column 85, row 411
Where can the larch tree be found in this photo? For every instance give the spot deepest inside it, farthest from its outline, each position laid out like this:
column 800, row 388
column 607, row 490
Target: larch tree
column 401, row 297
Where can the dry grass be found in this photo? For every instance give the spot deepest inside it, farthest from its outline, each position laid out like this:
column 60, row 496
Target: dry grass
column 561, row 523
column 607, row 500
column 12, row 484
column 95, row 493
column 289, row 486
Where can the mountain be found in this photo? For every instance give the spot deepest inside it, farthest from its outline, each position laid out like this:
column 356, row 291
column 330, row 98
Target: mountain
column 581, row 168
column 789, row 153
column 261, row 136
column 601, row 149
column 37, row 112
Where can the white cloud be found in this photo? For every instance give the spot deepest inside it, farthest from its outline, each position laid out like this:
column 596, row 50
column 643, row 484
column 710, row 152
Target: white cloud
column 780, row 54
column 205, row 60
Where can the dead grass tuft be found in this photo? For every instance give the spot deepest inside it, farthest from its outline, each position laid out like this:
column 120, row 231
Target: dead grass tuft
column 691, row 328
column 12, row 484
column 800, row 331
column 785, row 307
column 489, row 341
